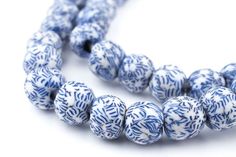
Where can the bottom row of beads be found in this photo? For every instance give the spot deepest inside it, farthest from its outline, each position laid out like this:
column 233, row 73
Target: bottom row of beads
column 143, row 122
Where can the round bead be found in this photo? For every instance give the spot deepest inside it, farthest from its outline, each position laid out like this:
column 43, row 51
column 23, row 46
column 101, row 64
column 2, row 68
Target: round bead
column 65, row 9
column 144, row 123
column 93, row 15
column 229, row 73
column 42, row 85
column 167, row 81
column 135, row 73
column 57, row 24
column 108, row 6
column 45, row 37
column 220, row 107
column 73, row 102
column 107, row 117
column 84, row 36
column 105, row 60
column 42, row 55
column 184, row 117
column 202, row 80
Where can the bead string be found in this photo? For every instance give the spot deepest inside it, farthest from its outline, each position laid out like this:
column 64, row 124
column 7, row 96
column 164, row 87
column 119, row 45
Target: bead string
column 210, row 96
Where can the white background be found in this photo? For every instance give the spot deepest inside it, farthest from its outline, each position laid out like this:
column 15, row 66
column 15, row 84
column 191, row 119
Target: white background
column 189, row 34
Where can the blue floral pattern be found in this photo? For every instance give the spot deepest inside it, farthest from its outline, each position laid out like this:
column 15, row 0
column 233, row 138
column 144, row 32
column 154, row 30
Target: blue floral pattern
column 57, row 24
column 105, row 60
column 229, row 73
column 94, row 15
column 107, row 117
column 144, row 123
column 84, row 36
column 41, row 56
column 42, row 85
column 202, row 80
column 220, row 108
column 183, row 117
column 167, row 81
column 45, row 37
column 135, row 72
column 233, row 86
column 65, row 9
column 73, row 102
column 108, row 6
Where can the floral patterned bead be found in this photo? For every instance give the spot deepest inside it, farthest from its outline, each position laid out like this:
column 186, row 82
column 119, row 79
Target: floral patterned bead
column 45, row 37
column 107, row 117
column 202, row 80
column 40, row 56
column 108, row 6
column 79, row 3
column 144, row 123
column 105, row 60
column 229, row 73
column 84, row 36
column 135, row 73
column 65, row 9
column 93, row 15
column 167, row 81
column 73, row 102
column 220, row 107
column 57, row 24
column 42, row 85
column 183, row 117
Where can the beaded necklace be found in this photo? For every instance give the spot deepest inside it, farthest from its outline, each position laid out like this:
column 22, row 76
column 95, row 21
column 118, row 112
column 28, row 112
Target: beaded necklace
column 185, row 105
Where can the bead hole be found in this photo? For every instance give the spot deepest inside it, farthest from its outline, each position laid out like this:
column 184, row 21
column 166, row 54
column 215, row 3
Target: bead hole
column 88, row 46
column 53, row 95
column 186, row 87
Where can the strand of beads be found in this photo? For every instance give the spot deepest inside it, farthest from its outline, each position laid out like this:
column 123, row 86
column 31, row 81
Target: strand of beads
column 180, row 117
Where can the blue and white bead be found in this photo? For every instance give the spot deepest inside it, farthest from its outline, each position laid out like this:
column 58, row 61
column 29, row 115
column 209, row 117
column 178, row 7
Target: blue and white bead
column 84, row 36
column 220, row 107
column 233, row 86
column 183, row 117
column 57, row 24
column 73, row 103
column 93, row 15
column 167, row 81
column 40, row 56
column 144, row 123
column 107, row 117
column 79, row 3
column 108, row 6
column 202, row 80
column 65, row 9
column 42, row 85
column 120, row 2
column 105, row 60
column 135, row 73
column 45, row 37
column 229, row 73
